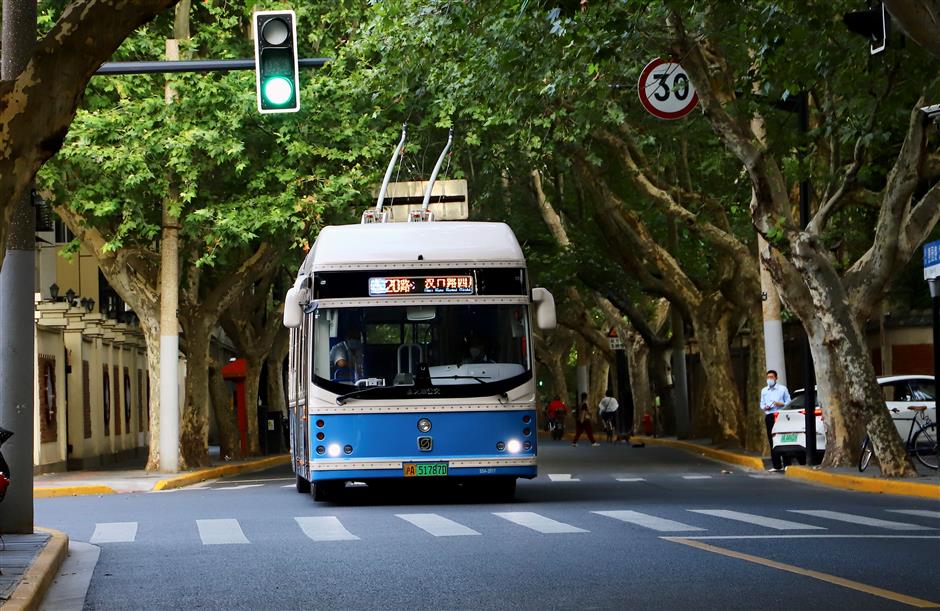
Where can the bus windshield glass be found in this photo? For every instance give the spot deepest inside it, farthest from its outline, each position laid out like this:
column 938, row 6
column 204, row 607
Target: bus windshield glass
column 453, row 350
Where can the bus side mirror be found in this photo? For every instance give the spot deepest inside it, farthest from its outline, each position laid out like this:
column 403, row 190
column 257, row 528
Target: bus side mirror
column 293, row 314
column 544, row 309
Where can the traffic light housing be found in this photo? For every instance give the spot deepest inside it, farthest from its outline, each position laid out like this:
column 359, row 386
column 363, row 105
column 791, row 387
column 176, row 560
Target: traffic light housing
column 874, row 24
column 277, row 81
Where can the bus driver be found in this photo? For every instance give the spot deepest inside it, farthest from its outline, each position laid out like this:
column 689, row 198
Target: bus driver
column 346, row 357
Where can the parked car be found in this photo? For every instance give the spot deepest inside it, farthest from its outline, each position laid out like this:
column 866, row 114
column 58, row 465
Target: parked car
column 900, row 392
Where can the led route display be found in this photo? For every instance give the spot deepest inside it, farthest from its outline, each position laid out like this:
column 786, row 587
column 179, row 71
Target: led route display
column 423, row 285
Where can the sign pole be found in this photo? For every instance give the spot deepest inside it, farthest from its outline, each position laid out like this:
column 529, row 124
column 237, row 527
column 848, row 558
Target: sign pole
column 935, row 306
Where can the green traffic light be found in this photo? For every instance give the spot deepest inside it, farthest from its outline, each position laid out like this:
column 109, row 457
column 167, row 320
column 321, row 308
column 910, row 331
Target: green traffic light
column 278, row 90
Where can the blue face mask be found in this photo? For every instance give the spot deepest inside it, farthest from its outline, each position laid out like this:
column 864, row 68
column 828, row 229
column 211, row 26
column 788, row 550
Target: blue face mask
column 771, row 382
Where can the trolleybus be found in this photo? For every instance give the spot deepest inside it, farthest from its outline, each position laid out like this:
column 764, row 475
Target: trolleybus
column 411, row 355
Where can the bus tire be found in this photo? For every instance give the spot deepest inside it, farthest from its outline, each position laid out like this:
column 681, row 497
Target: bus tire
column 303, row 486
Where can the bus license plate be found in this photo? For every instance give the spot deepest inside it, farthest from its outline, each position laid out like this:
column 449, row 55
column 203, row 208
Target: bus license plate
column 788, row 437
column 425, row 469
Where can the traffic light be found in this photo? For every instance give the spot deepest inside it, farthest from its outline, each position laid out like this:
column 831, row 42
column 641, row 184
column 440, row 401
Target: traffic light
column 276, row 74
column 874, row 24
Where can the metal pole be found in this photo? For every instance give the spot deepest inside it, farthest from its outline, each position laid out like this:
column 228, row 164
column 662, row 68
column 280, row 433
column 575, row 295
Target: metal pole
column 625, row 420
column 809, row 372
column 935, row 303
column 17, row 287
column 197, row 65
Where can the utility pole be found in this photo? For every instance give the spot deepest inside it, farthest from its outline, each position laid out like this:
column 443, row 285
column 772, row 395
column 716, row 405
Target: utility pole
column 773, row 326
column 17, row 288
column 169, row 325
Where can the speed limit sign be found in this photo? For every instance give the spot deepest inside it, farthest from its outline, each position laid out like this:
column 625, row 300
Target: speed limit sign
column 666, row 91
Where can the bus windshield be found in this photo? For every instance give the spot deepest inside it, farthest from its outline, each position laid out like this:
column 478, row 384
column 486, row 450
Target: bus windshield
column 454, row 350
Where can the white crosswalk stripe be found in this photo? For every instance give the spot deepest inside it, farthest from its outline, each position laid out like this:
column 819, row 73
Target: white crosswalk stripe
column 114, row 532
column 856, row 519
column 696, row 477
column 238, row 487
column 439, row 526
column 325, row 528
column 648, row 521
column 921, row 513
column 631, row 479
column 538, row 523
column 750, row 518
column 562, row 477
column 220, row 532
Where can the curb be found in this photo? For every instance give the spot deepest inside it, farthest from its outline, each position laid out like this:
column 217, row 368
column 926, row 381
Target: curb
column 872, row 485
column 29, row 594
column 195, row 477
column 48, row 493
column 751, row 462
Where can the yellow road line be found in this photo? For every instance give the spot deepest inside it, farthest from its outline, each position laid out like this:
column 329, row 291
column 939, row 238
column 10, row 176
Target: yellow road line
column 839, row 581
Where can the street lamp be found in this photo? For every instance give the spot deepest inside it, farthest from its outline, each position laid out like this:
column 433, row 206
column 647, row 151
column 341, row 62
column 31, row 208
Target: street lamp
column 70, row 297
column 90, row 305
column 54, row 291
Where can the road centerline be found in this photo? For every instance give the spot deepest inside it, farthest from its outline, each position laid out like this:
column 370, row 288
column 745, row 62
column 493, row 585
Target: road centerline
column 826, row 577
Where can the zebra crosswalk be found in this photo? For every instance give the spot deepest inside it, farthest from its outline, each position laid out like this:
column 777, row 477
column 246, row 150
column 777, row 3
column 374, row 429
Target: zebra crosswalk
column 331, row 528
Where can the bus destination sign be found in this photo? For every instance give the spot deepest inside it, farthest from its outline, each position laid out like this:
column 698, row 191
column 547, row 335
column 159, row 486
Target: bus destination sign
column 423, row 285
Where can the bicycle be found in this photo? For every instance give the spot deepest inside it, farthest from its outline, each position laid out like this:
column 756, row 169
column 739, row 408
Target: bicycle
column 922, row 444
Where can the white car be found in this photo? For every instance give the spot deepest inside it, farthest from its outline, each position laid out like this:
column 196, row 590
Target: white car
column 900, row 392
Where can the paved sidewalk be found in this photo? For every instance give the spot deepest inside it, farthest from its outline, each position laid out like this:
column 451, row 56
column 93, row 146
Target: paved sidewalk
column 926, row 485
column 28, row 564
column 123, row 480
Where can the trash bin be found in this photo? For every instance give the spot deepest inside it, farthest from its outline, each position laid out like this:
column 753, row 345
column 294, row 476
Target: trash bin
column 271, row 425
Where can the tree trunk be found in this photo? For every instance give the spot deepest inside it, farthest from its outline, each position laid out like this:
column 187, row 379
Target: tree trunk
column 639, row 366
column 755, row 433
column 150, row 325
column 711, row 322
column 276, row 397
column 848, row 388
column 253, row 366
column 194, row 422
column 224, row 413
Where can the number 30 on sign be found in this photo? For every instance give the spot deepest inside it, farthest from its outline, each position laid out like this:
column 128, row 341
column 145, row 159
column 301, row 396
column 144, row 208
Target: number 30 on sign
column 666, row 91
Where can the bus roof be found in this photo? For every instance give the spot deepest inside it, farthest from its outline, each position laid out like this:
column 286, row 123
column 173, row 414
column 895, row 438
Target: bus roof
column 386, row 245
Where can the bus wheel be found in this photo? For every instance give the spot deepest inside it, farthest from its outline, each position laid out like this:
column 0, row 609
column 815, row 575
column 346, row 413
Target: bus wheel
column 303, row 486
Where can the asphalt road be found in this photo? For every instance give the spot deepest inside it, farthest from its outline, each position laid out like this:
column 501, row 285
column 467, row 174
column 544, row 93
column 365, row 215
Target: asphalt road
column 608, row 527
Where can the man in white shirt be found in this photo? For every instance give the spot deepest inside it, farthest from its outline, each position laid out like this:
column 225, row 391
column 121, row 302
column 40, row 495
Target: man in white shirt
column 773, row 397
column 607, row 409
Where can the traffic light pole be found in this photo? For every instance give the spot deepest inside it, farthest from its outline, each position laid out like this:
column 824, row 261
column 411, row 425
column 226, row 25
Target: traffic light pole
column 17, row 352
column 200, row 65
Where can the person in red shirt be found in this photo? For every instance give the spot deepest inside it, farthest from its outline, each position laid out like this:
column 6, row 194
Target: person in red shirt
column 556, row 417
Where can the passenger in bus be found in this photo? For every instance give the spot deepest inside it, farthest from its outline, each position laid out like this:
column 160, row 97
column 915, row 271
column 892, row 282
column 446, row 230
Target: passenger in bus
column 476, row 352
column 346, row 357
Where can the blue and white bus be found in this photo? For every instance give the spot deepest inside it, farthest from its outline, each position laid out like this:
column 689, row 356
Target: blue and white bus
column 411, row 356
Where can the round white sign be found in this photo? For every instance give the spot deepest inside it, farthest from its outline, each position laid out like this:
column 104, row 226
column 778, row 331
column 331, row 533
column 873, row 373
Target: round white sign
column 665, row 90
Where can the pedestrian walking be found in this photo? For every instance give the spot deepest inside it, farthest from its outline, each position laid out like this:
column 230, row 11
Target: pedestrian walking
column 556, row 417
column 607, row 410
column 583, row 423
column 772, row 398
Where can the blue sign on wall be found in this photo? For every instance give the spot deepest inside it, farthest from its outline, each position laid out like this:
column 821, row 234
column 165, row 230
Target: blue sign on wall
column 932, row 260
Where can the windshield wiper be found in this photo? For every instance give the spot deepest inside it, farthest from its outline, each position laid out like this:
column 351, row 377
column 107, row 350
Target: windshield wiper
column 341, row 400
column 457, row 377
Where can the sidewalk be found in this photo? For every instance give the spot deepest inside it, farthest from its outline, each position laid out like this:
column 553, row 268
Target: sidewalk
column 136, row 479
column 29, row 563
column 925, row 486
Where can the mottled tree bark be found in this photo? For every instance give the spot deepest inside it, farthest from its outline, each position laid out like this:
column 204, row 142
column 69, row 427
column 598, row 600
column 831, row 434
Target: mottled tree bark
column 38, row 107
column 223, row 412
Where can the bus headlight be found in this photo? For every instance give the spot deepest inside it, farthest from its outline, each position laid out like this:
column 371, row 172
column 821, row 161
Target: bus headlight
column 333, row 450
column 514, row 446
column 424, row 425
